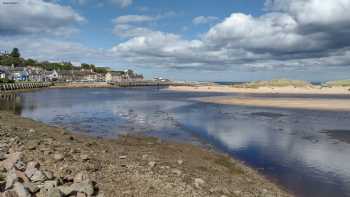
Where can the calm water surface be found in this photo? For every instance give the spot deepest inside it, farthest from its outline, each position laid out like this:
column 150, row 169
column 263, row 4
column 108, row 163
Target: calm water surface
column 306, row 151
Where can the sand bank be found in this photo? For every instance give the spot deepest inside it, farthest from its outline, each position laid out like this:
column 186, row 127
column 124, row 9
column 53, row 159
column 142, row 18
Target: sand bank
column 264, row 90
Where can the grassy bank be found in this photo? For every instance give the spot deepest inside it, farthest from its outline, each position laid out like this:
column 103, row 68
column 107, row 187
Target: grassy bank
column 275, row 83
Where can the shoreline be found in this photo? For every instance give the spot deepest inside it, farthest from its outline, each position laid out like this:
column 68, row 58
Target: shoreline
column 135, row 165
column 317, row 90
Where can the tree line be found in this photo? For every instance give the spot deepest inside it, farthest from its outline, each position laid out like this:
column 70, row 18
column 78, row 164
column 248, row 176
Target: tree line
column 14, row 58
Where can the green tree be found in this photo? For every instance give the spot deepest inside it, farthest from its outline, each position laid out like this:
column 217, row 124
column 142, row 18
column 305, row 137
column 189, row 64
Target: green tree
column 15, row 53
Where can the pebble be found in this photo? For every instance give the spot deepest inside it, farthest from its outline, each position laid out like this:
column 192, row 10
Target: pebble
column 180, row 162
column 21, row 190
column 152, row 164
column 81, row 177
column 122, row 157
column 84, row 157
column 198, row 183
column 11, row 178
column 58, row 157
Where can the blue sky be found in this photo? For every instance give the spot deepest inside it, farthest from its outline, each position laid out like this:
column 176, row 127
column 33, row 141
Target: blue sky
column 207, row 40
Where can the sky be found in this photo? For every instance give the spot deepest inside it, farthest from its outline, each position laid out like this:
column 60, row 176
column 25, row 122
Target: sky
column 193, row 40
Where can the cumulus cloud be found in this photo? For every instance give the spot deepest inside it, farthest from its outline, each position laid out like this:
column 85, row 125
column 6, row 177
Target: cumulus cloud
column 292, row 33
column 37, row 16
column 123, row 3
column 204, row 20
column 128, row 26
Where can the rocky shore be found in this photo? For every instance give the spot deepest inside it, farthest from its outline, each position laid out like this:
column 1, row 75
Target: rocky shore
column 39, row 160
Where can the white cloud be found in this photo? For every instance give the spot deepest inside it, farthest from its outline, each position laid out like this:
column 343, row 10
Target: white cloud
column 134, row 19
column 293, row 33
column 37, row 16
column 123, row 3
column 204, row 20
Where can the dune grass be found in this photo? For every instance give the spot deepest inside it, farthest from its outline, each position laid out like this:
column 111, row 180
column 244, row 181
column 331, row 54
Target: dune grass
column 338, row 83
column 275, row 83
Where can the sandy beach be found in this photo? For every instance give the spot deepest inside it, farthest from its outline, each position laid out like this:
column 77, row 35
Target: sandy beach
column 293, row 103
column 264, row 90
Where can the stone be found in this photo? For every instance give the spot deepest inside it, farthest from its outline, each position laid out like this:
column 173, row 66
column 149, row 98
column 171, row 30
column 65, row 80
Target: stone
column 58, row 157
column 22, row 176
column 84, row 187
column 49, row 175
column 2, row 156
column 11, row 159
column 10, row 193
column 21, row 190
column 152, row 164
column 31, row 187
column 84, row 157
column 38, row 176
column 20, row 165
column 32, row 167
column 122, row 157
column 180, row 162
column 11, row 178
column 198, row 183
column 79, row 194
column 81, row 177
column 176, row 171
column 54, row 192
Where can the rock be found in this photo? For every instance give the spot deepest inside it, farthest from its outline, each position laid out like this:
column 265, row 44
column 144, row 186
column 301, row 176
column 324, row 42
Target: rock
column 31, row 131
column 21, row 190
column 152, row 164
column 10, row 193
column 31, row 187
column 84, row 157
column 49, row 175
column 84, row 187
column 198, row 183
column 38, row 176
column 32, row 167
column 79, row 194
column 81, row 177
column 20, row 165
column 11, row 178
column 54, row 192
column 176, row 171
column 180, row 162
column 22, row 176
column 58, row 157
column 122, row 157
column 11, row 159
column 2, row 156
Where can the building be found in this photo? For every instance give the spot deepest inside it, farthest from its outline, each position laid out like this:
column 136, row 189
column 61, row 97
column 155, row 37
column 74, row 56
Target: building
column 51, row 76
column 123, row 76
column 18, row 73
column 115, row 76
column 3, row 74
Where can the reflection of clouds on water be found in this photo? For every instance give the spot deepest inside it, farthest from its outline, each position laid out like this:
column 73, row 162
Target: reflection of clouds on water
column 287, row 144
column 307, row 151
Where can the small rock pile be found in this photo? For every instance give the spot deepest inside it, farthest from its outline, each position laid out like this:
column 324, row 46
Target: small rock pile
column 20, row 179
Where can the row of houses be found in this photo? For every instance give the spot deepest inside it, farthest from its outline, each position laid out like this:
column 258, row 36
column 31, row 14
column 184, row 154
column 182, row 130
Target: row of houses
column 36, row 74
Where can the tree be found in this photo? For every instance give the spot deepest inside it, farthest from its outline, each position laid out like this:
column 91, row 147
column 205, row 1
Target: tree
column 15, row 53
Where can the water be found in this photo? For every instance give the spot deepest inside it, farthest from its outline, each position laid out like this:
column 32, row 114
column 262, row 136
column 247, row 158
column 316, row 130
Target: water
column 306, row 151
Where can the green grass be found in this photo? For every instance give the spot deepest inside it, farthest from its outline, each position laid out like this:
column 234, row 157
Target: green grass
column 338, row 83
column 275, row 83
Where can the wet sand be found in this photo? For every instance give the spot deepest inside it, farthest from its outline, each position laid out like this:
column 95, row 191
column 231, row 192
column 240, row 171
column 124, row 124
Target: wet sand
column 134, row 165
column 288, row 103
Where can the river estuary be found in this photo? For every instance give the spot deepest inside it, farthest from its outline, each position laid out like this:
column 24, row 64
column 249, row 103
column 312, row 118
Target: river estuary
column 305, row 151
